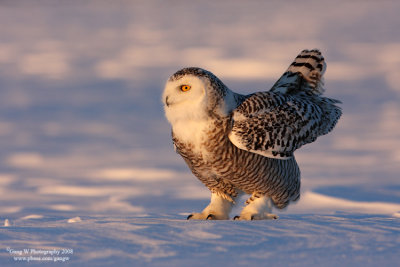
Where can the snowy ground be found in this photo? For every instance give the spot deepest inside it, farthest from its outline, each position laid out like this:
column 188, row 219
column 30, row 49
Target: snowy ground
column 87, row 167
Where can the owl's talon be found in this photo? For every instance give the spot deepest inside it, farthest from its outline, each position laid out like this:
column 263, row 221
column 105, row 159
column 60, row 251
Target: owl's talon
column 203, row 216
column 210, row 217
column 236, row 218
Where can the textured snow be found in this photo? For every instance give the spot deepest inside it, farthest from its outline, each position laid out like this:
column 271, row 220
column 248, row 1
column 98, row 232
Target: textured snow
column 87, row 165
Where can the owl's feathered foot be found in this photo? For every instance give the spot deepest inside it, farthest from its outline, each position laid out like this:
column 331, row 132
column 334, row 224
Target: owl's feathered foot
column 258, row 207
column 253, row 217
column 204, row 216
column 218, row 209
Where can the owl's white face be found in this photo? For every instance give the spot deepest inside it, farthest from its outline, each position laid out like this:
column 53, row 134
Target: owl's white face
column 185, row 99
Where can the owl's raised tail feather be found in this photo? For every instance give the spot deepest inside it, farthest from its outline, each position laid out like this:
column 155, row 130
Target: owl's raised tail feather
column 304, row 74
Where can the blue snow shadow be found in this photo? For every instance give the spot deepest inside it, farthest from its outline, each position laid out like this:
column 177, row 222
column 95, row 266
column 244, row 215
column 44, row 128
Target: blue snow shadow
column 363, row 193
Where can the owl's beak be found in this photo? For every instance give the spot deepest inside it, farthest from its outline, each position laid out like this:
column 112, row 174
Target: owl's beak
column 166, row 101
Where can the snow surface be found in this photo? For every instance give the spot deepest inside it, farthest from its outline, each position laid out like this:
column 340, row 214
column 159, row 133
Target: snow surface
column 87, row 167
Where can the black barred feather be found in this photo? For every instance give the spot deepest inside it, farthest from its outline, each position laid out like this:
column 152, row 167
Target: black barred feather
column 293, row 112
column 275, row 125
column 304, row 74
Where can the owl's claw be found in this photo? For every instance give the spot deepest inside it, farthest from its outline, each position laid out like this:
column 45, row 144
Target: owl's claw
column 200, row 216
column 218, row 209
column 254, row 217
column 238, row 218
column 210, row 217
column 203, row 216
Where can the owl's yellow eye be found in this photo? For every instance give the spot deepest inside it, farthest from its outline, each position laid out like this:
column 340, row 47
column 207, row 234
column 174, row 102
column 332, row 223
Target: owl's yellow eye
column 185, row 88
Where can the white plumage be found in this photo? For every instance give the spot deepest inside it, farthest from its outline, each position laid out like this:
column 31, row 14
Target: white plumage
column 244, row 143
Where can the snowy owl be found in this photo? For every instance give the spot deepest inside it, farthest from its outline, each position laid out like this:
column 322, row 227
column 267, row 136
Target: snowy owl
column 237, row 144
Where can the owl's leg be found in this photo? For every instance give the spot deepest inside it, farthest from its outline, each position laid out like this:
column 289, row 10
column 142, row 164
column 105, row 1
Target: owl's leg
column 218, row 209
column 259, row 207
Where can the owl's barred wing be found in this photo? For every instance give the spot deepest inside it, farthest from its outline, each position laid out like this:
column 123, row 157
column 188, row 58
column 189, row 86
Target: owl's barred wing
column 275, row 125
column 305, row 74
column 293, row 113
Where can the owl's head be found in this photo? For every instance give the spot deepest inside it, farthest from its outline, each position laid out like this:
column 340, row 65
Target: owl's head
column 194, row 93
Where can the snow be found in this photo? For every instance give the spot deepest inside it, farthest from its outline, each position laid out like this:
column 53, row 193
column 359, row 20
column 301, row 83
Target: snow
column 293, row 240
column 88, row 174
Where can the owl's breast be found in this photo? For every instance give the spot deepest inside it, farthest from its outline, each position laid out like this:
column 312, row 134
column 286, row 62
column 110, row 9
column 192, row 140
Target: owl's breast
column 201, row 138
column 192, row 134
